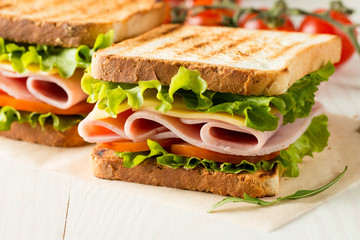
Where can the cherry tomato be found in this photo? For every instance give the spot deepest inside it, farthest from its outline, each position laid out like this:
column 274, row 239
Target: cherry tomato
column 190, row 3
column 209, row 17
column 250, row 23
column 315, row 25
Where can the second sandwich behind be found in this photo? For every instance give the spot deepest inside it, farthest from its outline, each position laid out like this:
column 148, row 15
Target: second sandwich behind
column 45, row 47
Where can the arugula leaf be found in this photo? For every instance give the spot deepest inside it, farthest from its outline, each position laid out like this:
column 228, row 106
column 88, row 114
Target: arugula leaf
column 257, row 110
column 297, row 195
column 314, row 139
column 8, row 115
column 66, row 60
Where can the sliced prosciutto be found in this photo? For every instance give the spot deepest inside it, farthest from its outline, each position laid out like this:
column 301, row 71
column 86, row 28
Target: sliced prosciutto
column 213, row 135
column 54, row 90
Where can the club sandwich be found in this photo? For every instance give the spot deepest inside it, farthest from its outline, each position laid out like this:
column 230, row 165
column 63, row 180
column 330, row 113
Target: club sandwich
column 214, row 109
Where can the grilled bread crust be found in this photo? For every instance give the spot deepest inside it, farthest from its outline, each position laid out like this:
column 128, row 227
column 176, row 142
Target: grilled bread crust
column 72, row 23
column 105, row 164
column 49, row 136
column 239, row 61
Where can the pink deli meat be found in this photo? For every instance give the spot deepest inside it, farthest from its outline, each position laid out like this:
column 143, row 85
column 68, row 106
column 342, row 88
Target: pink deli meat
column 54, row 90
column 213, row 135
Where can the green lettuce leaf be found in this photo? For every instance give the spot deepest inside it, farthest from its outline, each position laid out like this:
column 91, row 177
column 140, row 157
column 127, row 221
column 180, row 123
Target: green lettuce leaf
column 295, row 103
column 314, row 139
column 66, row 60
column 132, row 159
column 8, row 115
column 257, row 110
column 194, row 86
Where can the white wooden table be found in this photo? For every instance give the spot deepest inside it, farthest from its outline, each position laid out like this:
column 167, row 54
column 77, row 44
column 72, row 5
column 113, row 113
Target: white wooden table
column 36, row 204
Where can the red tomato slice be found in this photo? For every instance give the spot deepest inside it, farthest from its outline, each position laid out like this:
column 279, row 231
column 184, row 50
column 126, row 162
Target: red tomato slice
column 130, row 146
column 187, row 150
column 40, row 107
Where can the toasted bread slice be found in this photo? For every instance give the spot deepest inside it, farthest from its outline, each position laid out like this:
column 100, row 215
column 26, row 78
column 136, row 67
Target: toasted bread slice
column 72, row 23
column 240, row 61
column 47, row 136
column 105, row 164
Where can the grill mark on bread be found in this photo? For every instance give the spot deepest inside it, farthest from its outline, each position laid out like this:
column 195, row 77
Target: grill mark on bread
column 230, row 46
column 105, row 11
column 167, row 45
column 195, row 48
column 255, row 49
column 241, row 55
column 189, row 37
column 284, row 50
column 139, row 41
column 74, row 11
column 30, row 10
column 78, row 10
column 181, row 40
column 148, row 37
column 168, row 31
column 199, row 45
column 5, row 5
column 214, row 40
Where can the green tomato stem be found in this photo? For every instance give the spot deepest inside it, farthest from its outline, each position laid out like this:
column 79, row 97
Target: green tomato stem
column 273, row 17
column 349, row 30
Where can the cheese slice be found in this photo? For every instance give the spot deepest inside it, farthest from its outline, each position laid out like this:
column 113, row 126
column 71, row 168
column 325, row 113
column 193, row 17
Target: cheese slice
column 32, row 68
column 178, row 110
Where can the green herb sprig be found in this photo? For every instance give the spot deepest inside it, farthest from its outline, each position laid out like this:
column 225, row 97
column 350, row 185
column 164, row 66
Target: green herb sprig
column 297, row 195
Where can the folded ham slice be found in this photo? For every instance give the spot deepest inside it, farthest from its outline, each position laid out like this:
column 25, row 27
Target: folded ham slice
column 213, row 135
column 51, row 89
column 14, row 84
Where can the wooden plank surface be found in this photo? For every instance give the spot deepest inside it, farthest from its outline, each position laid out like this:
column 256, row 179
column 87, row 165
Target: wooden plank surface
column 33, row 203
